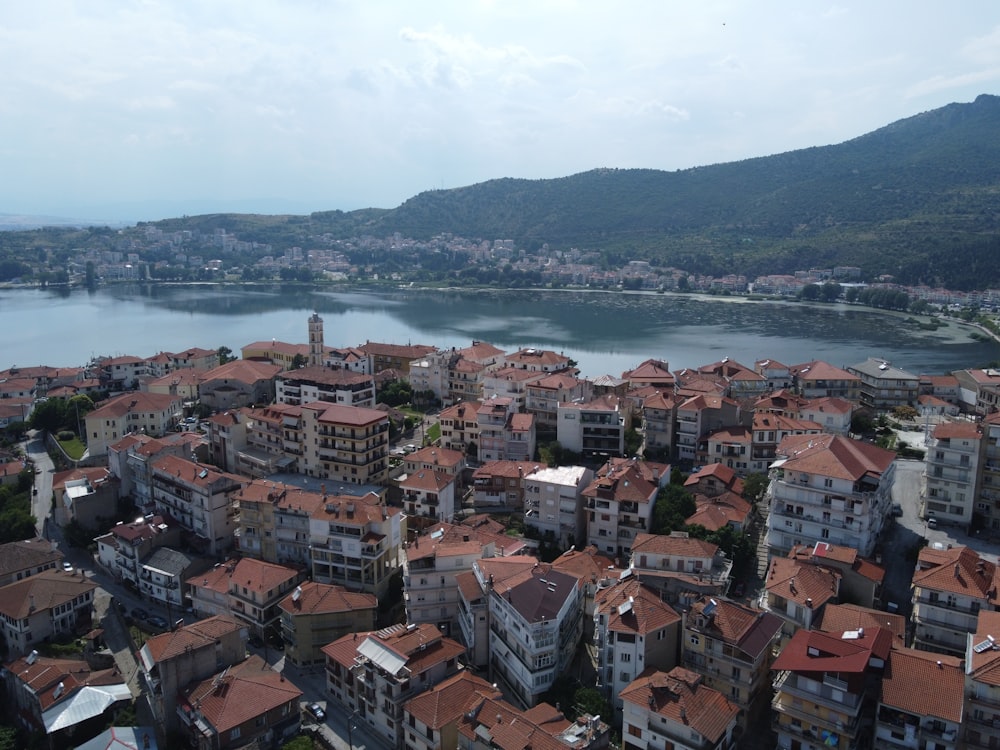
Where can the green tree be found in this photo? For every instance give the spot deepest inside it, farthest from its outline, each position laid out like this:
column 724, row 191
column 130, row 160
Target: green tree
column 50, row 415
column 588, row 700
column 673, row 506
column 754, row 487
column 225, row 355
column 830, row 291
column 299, row 360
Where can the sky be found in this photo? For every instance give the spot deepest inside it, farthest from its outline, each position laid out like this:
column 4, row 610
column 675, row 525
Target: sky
column 128, row 110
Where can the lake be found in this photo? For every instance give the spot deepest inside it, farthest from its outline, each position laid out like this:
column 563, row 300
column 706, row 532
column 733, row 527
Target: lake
column 605, row 332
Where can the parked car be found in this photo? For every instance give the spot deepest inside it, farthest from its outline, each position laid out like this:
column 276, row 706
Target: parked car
column 932, row 523
column 68, row 567
column 138, row 613
column 316, row 711
column 897, row 510
column 158, row 622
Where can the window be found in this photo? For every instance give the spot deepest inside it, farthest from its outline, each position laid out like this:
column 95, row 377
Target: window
column 625, row 657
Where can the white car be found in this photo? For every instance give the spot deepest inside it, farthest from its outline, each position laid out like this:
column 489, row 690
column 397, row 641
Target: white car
column 68, row 567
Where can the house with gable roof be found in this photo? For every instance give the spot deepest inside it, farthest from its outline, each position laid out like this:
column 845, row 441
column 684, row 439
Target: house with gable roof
column 732, row 646
column 699, row 415
column 500, row 484
column 44, row 605
column 429, row 493
column 431, row 719
column 238, row 383
column 826, row 687
column 921, row 701
column 651, row 372
column 950, row 588
column 982, row 684
column 837, row 618
column 245, row 702
column 634, row 629
column 861, row 579
column 819, row 379
column 776, row 374
column 797, row 592
column 151, row 413
column 680, row 567
column 676, row 709
column 459, row 426
column 121, row 549
column 316, row 614
column 26, row 558
column 194, row 651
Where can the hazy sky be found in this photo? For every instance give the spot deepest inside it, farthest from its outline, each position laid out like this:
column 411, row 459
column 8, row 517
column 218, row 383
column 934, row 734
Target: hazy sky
column 119, row 110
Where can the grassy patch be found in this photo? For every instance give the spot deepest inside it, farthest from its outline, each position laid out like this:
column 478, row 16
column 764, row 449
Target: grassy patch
column 74, row 448
column 434, row 433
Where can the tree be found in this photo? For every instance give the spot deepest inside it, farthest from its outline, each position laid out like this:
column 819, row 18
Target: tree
column 830, row 291
column 50, row 415
column 299, row 360
column 673, row 506
column 225, row 355
column 754, row 487
column 588, row 700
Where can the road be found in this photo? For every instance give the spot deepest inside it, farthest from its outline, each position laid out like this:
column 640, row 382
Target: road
column 41, row 498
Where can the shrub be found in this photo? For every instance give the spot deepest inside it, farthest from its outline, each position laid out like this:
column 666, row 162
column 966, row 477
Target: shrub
column 66, row 435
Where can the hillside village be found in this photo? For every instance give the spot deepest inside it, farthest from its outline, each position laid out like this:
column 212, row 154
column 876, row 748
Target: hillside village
column 702, row 558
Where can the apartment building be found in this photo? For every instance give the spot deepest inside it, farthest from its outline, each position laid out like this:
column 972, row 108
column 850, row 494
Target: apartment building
column 950, row 588
column 921, row 702
column 653, row 373
column 769, row 429
column 545, row 395
column 860, row 579
column 375, row 674
column 595, row 571
column 433, row 458
column 953, row 474
column 884, row 387
column 619, row 503
column 355, row 542
column 554, row 505
column 676, row 709
column 336, row 386
column 246, row 589
column 122, row 373
column 120, row 550
column 828, row 488
column 989, row 487
column 48, row 604
column 200, row 498
column 730, row 446
column 500, row 484
column 819, row 379
column 460, row 427
column 633, row 630
column 732, row 646
column 429, row 494
column 594, row 429
column 393, row 356
column 172, row 660
column 826, row 687
column 979, row 390
column 151, row 413
column 659, row 420
column 431, row 720
column 981, row 714
column 700, row 415
column 535, row 626
column 26, row 558
column 316, row 614
column 273, row 442
column 431, row 563
column 504, row 434
column 680, row 567
column 274, row 521
column 466, row 382
column 345, row 443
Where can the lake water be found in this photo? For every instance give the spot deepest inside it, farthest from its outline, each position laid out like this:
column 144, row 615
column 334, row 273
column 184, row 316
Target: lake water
column 605, row 332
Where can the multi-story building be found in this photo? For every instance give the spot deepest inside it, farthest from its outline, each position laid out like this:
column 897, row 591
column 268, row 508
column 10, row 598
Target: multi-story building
column 798, row 592
column 633, row 630
column 45, row 605
column 553, row 503
column 700, row 415
column 732, row 647
column 355, row 542
column 226, row 436
column 826, row 686
column 950, row 588
column 162, row 574
column 979, row 390
column 593, row 429
column 619, row 503
column 500, row 484
column 465, row 382
column 981, row 715
column 545, row 394
column 730, row 446
column 860, row 579
column 242, row 704
column 238, row 383
column 659, row 421
column 459, row 427
column 246, row 589
column 431, row 719
column 777, row 375
column 432, row 458
column 191, row 652
column 274, row 441
column 742, row 383
column 493, row 417
column 680, row 567
column 596, row 571
column 393, row 356
column 676, row 709
column 988, row 503
column 819, row 379
column 952, row 474
column 431, row 563
column 274, row 521
column 200, row 498
column 150, row 413
column 336, row 386
column 375, row 674
column 535, row 626
column 345, row 443
column 883, row 386
column 769, row 429
column 430, row 374
column 316, row 614
column 921, row 702
column 828, row 488
column 538, row 360
column 653, row 373
column 429, row 494
column 276, row 352
column 122, row 373
column 120, row 550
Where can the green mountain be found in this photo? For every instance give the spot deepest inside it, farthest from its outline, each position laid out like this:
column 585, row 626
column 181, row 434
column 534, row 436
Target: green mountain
column 918, row 199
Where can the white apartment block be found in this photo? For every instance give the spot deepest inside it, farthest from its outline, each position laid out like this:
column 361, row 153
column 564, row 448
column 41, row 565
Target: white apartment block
column 952, row 473
column 336, row 386
column 827, row 488
column 200, row 499
column 619, row 503
column 553, row 501
column 592, row 429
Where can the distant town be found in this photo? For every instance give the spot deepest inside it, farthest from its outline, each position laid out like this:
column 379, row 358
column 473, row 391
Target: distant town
column 411, row 547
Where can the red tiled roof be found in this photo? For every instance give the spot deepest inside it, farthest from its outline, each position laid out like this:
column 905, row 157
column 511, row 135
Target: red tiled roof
column 680, row 696
column 450, row 699
column 41, row 592
column 815, row 651
column 959, row 570
column 834, row 456
column 187, row 637
column 322, row 598
column 809, row 585
column 924, row 684
column 645, row 612
column 838, row 618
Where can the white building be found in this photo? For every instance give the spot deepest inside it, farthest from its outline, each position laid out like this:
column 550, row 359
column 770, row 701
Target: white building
column 553, row 503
